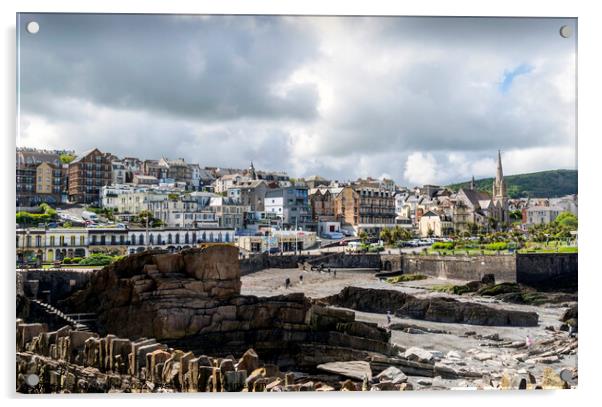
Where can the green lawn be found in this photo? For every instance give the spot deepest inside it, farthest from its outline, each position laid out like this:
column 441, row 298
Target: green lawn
column 540, row 248
column 70, row 266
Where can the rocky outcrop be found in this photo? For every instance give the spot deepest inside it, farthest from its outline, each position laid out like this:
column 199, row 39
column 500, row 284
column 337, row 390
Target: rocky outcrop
column 67, row 361
column 191, row 300
column 439, row 309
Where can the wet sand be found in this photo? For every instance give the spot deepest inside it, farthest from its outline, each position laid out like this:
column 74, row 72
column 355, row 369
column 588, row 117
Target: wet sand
column 316, row 285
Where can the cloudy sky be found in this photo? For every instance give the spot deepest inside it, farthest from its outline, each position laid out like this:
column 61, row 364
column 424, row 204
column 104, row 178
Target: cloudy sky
column 419, row 100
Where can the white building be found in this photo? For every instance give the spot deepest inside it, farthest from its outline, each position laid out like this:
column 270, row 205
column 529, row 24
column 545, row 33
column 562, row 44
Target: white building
column 195, row 176
column 222, row 184
column 117, row 173
column 538, row 215
column 274, row 206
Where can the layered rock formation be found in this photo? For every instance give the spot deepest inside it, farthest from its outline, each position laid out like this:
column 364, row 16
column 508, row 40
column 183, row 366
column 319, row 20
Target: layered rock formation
column 68, row 361
column 191, row 300
column 438, row 309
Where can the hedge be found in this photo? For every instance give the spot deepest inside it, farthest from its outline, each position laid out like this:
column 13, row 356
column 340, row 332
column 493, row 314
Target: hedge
column 97, row 259
column 443, row 246
column 496, row 246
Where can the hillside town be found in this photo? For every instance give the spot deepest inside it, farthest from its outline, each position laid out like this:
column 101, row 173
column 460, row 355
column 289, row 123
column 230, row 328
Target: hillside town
column 99, row 202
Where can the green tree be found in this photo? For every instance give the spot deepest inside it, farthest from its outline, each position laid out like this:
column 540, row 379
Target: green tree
column 363, row 236
column 66, row 158
column 516, row 215
column 145, row 215
column 386, row 235
column 567, row 220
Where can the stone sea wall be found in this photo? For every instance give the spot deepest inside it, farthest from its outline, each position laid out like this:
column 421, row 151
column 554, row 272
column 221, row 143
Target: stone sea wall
column 468, row 268
column 557, row 271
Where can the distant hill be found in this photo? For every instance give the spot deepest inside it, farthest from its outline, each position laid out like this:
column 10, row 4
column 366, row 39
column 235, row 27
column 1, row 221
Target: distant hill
column 544, row 184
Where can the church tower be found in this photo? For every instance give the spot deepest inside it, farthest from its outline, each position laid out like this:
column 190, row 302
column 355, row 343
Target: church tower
column 252, row 172
column 500, row 198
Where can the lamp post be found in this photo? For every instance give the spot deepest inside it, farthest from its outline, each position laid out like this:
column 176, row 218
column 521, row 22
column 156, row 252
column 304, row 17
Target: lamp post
column 296, row 234
column 146, row 238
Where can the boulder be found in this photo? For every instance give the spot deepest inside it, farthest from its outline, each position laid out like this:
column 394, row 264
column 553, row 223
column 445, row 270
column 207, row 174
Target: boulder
column 393, row 375
column 438, row 309
column 353, row 369
column 418, row 354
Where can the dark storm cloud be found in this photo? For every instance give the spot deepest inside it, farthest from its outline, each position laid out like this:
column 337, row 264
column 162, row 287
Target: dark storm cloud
column 211, row 68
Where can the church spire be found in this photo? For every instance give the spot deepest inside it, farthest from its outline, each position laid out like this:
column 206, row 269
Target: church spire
column 252, row 172
column 499, row 186
column 472, row 185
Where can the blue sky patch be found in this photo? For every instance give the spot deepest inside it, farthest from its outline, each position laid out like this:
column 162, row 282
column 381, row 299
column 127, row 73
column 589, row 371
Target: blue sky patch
column 509, row 76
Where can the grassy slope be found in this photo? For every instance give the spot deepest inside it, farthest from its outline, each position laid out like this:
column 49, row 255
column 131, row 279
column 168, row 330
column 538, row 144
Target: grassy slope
column 545, row 184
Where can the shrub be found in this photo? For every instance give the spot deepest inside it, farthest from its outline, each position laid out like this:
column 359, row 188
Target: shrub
column 97, row 259
column 497, row 246
column 67, row 260
column 443, row 246
column 376, row 249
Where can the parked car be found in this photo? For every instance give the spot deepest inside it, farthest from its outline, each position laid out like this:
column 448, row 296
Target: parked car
column 272, row 250
column 354, row 247
column 87, row 215
column 376, row 247
column 333, row 235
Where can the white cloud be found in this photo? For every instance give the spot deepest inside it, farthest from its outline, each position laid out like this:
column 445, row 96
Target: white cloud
column 421, row 168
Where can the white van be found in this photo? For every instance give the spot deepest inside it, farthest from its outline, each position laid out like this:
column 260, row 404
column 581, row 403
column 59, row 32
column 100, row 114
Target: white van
column 354, row 247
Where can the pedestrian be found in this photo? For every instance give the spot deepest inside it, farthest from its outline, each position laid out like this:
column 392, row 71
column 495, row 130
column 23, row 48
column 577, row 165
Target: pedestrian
column 388, row 317
column 301, row 279
column 528, row 341
column 335, row 273
column 287, row 283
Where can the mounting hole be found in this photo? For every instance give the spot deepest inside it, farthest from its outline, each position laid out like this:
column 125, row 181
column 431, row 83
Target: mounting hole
column 32, row 380
column 566, row 31
column 33, row 27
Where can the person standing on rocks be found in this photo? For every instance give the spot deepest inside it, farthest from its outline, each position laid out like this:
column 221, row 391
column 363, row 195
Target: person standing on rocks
column 301, row 279
column 334, row 273
column 287, row 283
